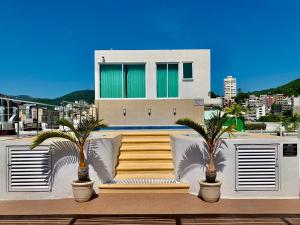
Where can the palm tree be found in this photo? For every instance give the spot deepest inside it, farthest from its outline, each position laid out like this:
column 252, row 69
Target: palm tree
column 78, row 136
column 236, row 110
column 211, row 134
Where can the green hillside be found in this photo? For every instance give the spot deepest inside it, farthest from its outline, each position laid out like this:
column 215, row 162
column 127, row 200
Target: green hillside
column 85, row 95
column 291, row 88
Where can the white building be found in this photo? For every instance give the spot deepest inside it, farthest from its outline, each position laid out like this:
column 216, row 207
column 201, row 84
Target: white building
column 260, row 111
column 151, row 87
column 230, row 90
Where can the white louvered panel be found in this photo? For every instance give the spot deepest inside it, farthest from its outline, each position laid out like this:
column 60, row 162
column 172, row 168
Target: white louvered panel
column 256, row 167
column 29, row 170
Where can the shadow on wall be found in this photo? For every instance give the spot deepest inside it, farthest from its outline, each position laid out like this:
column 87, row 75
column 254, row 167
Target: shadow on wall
column 195, row 157
column 65, row 153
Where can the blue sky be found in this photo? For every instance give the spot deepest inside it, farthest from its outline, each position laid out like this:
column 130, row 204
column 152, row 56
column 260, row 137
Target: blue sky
column 46, row 47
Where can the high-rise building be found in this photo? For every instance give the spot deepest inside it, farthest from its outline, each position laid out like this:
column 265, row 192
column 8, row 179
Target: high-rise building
column 230, row 90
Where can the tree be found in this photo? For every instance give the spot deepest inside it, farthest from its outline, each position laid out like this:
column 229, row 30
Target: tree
column 236, row 110
column 78, row 136
column 213, row 95
column 211, row 134
column 241, row 96
column 291, row 123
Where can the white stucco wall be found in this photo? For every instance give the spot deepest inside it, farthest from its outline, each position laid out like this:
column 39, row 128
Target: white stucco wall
column 288, row 167
column 102, row 161
column 199, row 87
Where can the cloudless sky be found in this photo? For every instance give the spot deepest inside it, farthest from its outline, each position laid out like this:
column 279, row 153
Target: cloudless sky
column 47, row 47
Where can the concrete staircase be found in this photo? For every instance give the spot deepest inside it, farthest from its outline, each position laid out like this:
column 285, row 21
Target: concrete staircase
column 145, row 166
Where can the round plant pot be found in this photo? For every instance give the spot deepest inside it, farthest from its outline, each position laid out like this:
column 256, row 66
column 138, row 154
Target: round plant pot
column 82, row 191
column 210, row 192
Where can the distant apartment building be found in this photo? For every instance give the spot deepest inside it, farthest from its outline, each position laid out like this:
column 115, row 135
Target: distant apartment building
column 278, row 99
column 266, row 100
column 296, row 105
column 230, row 90
column 252, row 101
column 151, row 87
column 260, row 111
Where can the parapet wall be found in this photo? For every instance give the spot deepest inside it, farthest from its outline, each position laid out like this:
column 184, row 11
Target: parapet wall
column 190, row 166
column 149, row 112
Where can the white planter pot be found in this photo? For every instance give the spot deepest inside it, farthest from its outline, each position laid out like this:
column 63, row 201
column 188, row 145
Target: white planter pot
column 82, row 191
column 210, row 192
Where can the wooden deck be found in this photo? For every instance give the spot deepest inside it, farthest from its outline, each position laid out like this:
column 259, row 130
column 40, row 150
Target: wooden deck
column 151, row 209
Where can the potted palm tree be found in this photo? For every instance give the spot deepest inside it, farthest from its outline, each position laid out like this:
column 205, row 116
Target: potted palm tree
column 212, row 135
column 83, row 187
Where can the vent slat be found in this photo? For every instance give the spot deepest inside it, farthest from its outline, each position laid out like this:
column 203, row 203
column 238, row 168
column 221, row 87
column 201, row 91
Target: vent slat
column 29, row 170
column 256, row 167
column 30, row 159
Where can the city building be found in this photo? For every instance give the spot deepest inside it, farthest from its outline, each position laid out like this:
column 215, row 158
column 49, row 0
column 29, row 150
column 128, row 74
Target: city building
column 260, row 111
column 151, row 87
column 278, row 99
column 230, row 90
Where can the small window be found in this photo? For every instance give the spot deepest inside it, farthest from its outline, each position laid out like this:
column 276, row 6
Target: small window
column 187, row 71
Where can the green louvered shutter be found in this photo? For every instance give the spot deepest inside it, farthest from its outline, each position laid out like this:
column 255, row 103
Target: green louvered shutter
column 161, row 80
column 172, row 80
column 135, row 81
column 111, row 81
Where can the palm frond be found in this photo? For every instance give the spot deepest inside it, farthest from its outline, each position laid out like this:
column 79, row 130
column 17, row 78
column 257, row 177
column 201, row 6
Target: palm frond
column 193, row 125
column 52, row 134
column 86, row 126
column 66, row 123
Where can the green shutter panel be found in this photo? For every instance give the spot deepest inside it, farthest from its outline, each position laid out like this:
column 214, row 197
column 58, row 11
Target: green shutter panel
column 161, row 80
column 136, row 81
column 172, row 80
column 111, row 81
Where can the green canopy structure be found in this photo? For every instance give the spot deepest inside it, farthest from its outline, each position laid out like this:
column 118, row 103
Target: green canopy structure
column 239, row 122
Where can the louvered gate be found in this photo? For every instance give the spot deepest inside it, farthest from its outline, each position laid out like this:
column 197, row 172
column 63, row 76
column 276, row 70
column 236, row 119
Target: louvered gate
column 28, row 170
column 257, row 167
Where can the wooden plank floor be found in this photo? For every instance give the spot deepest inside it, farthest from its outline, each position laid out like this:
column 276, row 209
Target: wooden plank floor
column 232, row 220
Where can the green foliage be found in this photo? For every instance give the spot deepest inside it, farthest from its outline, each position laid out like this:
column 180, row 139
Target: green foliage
column 255, row 126
column 78, row 135
column 241, row 96
column 289, row 89
column 236, row 110
column 85, row 95
column 270, row 118
column 291, row 123
column 213, row 95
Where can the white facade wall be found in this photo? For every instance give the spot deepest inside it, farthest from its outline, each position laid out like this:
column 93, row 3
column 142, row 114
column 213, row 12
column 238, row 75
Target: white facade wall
column 197, row 88
column 296, row 101
column 260, row 111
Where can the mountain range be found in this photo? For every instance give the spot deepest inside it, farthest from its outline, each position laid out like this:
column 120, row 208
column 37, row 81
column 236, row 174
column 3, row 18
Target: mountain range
column 291, row 88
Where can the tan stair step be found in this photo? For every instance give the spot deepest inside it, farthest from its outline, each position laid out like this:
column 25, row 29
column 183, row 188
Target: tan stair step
column 144, row 188
column 145, row 134
column 146, row 147
column 153, row 156
column 145, row 165
column 146, row 140
column 146, row 175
